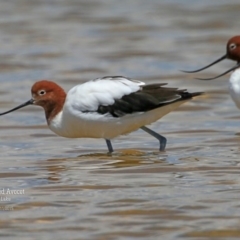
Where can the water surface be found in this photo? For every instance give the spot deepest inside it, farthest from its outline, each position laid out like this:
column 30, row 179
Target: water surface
column 72, row 188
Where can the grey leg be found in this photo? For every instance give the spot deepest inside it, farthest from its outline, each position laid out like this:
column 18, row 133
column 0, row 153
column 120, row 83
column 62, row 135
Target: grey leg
column 162, row 140
column 109, row 145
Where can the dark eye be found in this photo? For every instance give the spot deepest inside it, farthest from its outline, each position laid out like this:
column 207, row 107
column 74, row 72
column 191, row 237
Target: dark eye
column 41, row 92
column 232, row 46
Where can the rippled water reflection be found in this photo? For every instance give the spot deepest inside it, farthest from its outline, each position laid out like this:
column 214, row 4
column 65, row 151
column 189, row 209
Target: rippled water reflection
column 72, row 188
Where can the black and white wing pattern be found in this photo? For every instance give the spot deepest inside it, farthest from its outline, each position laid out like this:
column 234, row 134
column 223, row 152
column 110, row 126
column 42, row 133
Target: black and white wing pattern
column 118, row 96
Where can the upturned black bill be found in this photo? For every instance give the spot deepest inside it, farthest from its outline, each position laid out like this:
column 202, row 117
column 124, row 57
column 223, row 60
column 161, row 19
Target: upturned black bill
column 209, row 65
column 222, row 74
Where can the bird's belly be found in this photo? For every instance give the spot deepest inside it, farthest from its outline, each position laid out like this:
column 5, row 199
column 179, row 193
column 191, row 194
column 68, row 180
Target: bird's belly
column 93, row 125
column 87, row 125
column 107, row 128
column 234, row 90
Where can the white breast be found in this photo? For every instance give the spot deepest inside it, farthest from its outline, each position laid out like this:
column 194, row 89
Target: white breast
column 234, row 87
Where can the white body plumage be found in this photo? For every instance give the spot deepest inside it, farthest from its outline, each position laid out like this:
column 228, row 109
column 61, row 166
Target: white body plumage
column 79, row 117
column 234, row 87
column 105, row 107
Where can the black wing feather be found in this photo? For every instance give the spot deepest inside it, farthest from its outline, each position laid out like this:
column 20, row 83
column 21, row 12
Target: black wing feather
column 151, row 96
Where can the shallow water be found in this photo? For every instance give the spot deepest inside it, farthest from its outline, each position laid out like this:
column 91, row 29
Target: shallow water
column 72, row 188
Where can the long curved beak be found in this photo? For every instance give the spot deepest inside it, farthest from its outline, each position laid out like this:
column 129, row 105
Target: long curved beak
column 222, row 74
column 29, row 102
column 209, row 65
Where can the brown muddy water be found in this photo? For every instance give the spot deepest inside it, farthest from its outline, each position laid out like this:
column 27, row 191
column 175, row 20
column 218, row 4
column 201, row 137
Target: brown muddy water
column 71, row 189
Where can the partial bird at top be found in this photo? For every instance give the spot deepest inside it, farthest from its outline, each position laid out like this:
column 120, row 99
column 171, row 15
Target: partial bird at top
column 232, row 53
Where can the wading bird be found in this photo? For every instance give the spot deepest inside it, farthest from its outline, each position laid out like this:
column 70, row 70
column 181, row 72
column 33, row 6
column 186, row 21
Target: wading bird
column 105, row 107
column 232, row 53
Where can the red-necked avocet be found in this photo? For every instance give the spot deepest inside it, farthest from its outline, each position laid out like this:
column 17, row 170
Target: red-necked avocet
column 105, row 107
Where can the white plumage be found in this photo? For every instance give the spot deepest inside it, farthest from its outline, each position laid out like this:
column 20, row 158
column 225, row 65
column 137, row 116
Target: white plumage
column 105, row 107
column 101, row 91
column 234, row 87
column 79, row 118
